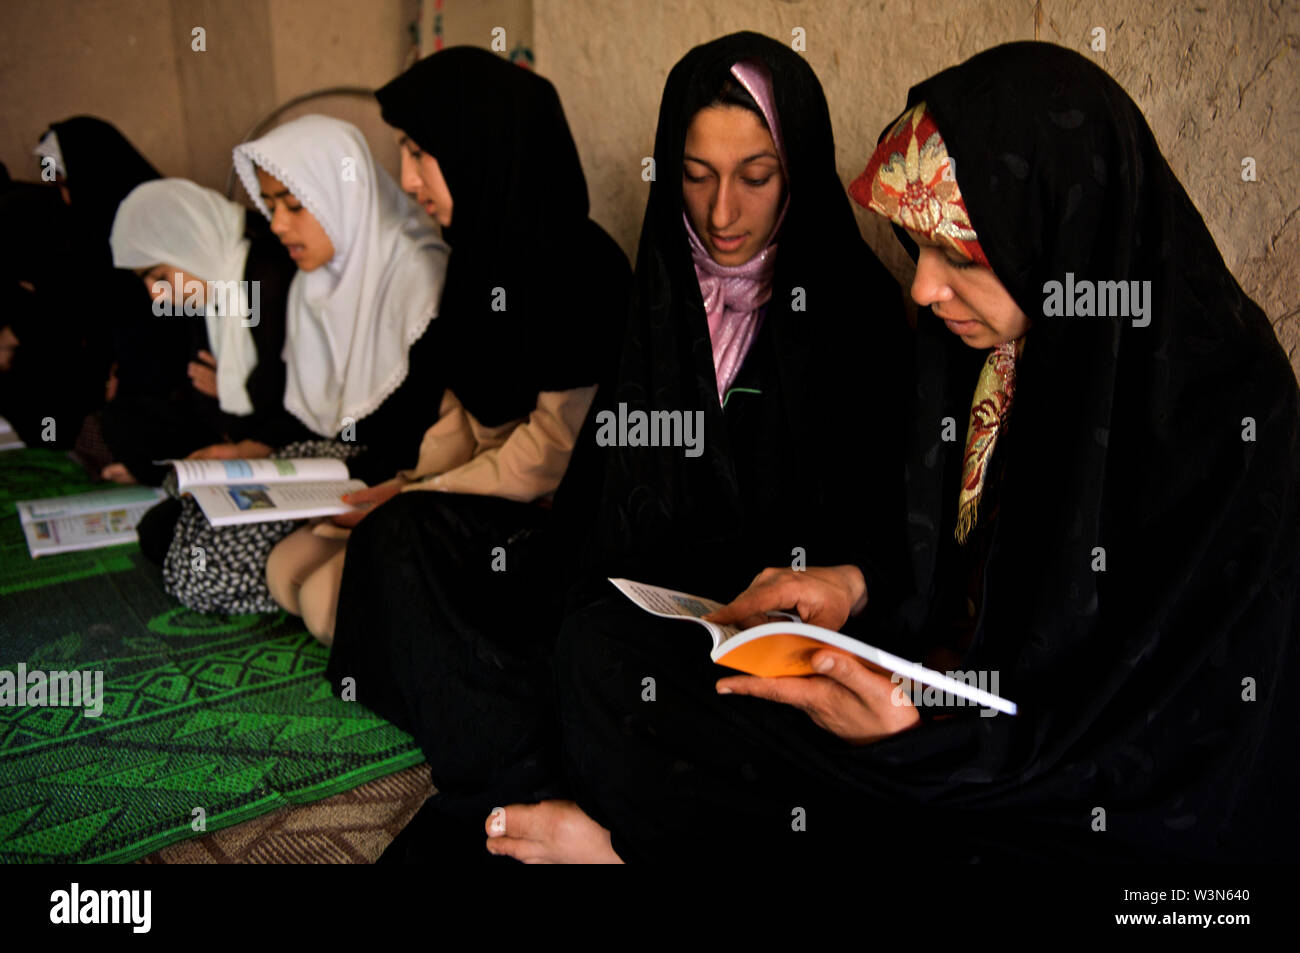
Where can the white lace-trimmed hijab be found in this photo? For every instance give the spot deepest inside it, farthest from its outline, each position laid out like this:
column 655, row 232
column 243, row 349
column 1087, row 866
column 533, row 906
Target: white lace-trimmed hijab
column 180, row 223
column 350, row 324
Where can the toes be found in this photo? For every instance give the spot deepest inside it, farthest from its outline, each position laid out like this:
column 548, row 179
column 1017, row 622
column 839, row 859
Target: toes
column 527, row 851
column 526, row 821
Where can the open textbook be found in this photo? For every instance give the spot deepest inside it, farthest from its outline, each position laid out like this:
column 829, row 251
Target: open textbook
column 259, row 491
column 786, row 647
column 65, row 524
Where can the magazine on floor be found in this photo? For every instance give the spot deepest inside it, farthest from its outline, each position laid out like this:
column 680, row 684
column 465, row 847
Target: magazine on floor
column 65, row 524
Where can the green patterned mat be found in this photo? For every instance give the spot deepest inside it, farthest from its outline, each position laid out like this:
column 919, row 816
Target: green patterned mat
column 227, row 715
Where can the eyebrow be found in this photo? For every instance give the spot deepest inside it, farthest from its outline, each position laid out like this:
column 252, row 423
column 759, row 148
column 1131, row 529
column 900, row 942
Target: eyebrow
column 744, row 161
column 278, row 195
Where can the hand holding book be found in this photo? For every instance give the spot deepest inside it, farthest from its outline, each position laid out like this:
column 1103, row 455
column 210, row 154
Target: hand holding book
column 366, row 500
column 820, row 595
column 847, row 700
column 847, row 697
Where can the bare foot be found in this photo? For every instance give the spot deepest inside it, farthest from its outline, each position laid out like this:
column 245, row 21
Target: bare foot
column 552, row 832
column 118, row 473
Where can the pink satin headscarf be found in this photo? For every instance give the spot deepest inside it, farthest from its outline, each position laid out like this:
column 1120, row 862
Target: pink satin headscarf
column 733, row 295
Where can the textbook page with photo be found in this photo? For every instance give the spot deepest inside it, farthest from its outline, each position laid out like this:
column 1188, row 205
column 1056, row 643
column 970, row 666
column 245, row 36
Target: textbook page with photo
column 231, row 492
column 786, row 646
column 66, row 524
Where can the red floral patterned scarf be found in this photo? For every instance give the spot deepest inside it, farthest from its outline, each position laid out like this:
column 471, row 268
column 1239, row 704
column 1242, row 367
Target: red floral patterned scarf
column 912, row 181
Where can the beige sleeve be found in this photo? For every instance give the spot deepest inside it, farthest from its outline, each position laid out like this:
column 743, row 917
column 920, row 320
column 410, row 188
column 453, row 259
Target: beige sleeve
column 449, row 443
column 521, row 460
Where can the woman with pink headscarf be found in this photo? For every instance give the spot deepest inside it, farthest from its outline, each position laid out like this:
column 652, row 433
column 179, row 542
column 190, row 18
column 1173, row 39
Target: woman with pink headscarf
column 756, row 307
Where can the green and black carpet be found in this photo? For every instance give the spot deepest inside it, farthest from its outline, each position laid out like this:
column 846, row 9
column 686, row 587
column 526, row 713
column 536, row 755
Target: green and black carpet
column 207, row 720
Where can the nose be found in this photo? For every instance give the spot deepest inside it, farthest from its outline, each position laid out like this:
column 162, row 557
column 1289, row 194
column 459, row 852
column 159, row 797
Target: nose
column 929, row 285
column 725, row 210
column 410, row 175
column 279, row 219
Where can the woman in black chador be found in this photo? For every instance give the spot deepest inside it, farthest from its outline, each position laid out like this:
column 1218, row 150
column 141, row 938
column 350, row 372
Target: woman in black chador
column 756, row 306
column 97, row 167
column 1115, row 537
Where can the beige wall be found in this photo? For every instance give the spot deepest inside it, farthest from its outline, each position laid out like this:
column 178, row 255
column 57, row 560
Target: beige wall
column 132, row 62
column 1217, row 81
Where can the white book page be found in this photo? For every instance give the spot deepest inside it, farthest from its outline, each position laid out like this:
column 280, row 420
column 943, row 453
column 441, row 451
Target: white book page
column 886, row 661
column 265, row 502
column 671, row 604
column 192, row 473
column 95, row 501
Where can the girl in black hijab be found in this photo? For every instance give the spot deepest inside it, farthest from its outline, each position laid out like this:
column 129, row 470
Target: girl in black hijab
column 536, row 293
column 1123, row 522
column 749, row 243
column 98, row 167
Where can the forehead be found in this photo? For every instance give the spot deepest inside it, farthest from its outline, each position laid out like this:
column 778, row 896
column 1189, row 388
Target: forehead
column 933, row 241
column 269, row 184
column 727, row 131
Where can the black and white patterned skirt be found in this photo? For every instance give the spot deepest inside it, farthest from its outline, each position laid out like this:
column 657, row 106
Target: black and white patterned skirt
column 223, row 569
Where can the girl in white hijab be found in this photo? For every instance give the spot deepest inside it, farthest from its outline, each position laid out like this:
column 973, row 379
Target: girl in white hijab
column 360, row 364
column 352, row 319
column 172, row 227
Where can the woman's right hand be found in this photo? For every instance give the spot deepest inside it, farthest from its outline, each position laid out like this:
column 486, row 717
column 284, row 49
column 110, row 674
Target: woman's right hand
column 367, row 499
column 243, row 450
column 822, row 595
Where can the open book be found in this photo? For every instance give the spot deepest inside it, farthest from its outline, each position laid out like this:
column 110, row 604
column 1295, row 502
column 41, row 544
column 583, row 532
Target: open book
column 65, row 524
column 260, row 491
column 786, row 647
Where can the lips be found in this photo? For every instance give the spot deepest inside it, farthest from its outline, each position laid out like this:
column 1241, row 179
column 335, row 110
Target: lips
column 727, row 244
column 961, row 327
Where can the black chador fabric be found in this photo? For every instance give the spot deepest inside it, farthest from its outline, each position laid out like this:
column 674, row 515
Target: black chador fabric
column 61, row 363
column 142, row 428
column 1156, row 692
column 102, row 168
column 449, row 604
column 1159, row 688
column 533, row 292
column 476, row 686
column 831, row 401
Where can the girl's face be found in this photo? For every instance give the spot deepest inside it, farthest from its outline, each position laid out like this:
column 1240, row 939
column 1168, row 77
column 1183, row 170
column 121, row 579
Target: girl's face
column 731, row 182
column 296, row 227
column 422, row 180
column 966, row 296
column 169, row 283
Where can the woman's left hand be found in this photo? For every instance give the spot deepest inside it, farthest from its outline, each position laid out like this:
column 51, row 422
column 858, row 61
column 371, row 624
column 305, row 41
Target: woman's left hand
column 848, row 699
